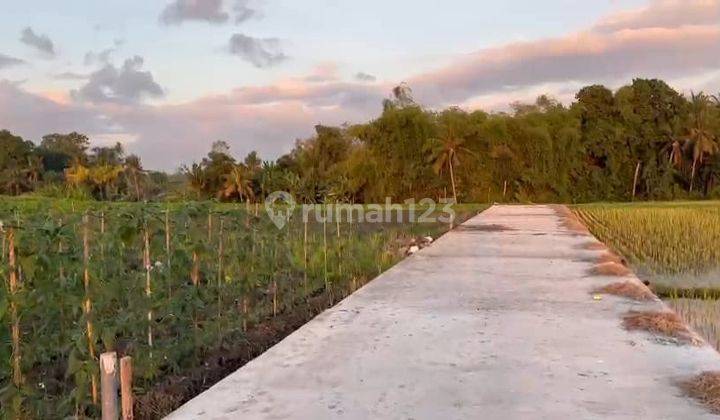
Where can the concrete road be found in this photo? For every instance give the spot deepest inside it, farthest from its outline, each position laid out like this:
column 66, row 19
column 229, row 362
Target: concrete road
column 484, row 324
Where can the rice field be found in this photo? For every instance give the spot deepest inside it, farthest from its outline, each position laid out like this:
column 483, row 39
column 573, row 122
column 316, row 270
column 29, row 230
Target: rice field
column 674, row 246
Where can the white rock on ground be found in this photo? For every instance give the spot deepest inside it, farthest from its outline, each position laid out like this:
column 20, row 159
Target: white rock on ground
column 491, row 325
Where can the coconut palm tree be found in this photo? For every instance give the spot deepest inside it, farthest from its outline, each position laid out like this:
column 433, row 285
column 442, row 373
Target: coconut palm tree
column 446, row 152
column 132, row 168
column 77, row 174
column 238, row 183
column 105, row 177
column 197, row 178
column 676, row 154
column 14, row 179
column 700, row 139
column 34, row 169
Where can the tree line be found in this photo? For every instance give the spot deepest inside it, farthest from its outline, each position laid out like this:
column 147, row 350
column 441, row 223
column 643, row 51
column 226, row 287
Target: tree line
column 644, row 141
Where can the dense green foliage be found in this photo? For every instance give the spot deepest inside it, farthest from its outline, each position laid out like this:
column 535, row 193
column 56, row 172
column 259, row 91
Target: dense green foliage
column 165, row 284
column 644, row 141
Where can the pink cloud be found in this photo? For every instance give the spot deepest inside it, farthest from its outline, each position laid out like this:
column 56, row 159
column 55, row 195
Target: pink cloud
column 587, row 56
column 663, row 14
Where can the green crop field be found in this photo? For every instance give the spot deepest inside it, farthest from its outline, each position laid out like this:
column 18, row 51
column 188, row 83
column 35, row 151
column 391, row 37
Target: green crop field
column 169, row 285
column 675, row 246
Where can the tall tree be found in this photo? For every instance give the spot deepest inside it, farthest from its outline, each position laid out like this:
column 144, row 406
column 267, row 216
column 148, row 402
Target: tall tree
column 700, row 139
column 447, row 148
column 238, row 183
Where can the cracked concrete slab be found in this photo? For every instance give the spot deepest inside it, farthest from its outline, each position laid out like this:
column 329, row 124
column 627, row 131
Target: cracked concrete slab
column 486, row 323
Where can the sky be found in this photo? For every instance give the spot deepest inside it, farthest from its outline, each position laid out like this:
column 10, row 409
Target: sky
column 168, row 77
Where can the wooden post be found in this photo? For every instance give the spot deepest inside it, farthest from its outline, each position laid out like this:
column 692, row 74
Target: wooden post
column 14, row 317
column 167, row 237
column 195, row 272
column 87, row 304
column 221, row 256
column 126, row 393
column 108, row 385
column 148, row 284
column 167, row 253
column 325, row 256
column 245, row 312
column 102, row 234
column 305, row 259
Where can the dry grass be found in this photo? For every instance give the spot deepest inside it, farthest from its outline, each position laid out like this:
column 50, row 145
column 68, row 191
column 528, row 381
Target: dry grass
column 663, row 323
column 609, row 257
column 706, row 389
column 628, row 289
column 569, row 220
column 593, row 246
column 610, row 269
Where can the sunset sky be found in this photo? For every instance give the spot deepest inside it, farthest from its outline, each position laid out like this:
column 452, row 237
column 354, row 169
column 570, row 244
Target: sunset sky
column 169, row 77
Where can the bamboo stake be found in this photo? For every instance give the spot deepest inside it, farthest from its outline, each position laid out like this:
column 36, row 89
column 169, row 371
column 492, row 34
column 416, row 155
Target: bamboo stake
column 167, row 237
column 167, row 251
column 305, row 259
column 221, row 251
column 126, row 392
column 14, row 317
column 148, row 285
column 102, row 233
column 244, row 312
column 209, row 227
column 274, row 292
column 87, row 305
column 337, row 221
column 325, row 268
column 221, row 254
column 195, row 272
column 108, row 385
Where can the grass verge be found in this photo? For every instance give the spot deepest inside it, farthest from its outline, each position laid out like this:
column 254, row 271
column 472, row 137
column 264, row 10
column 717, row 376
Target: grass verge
column 628, row 289
column 610, row 269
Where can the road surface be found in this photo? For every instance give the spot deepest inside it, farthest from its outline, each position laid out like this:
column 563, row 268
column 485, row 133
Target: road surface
column 493, row 321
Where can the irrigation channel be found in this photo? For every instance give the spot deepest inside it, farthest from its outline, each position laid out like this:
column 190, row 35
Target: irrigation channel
column 497, row 319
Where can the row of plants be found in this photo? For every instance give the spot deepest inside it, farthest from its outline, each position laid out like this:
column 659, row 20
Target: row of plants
column 660, row 238
column 165, row 285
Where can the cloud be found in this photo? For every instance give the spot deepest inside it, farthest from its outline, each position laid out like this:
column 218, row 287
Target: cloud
column 324, row 72
column 7, row 61
column 69, row 75
column 179, row 11
column 127, row 84
column 663, row 14
column 41, row 42
column 33, row 116
column 592, row 56
column 103, row 56
column 263, row 118
column 365, row 77
column 260, row 52
column 243, row 12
